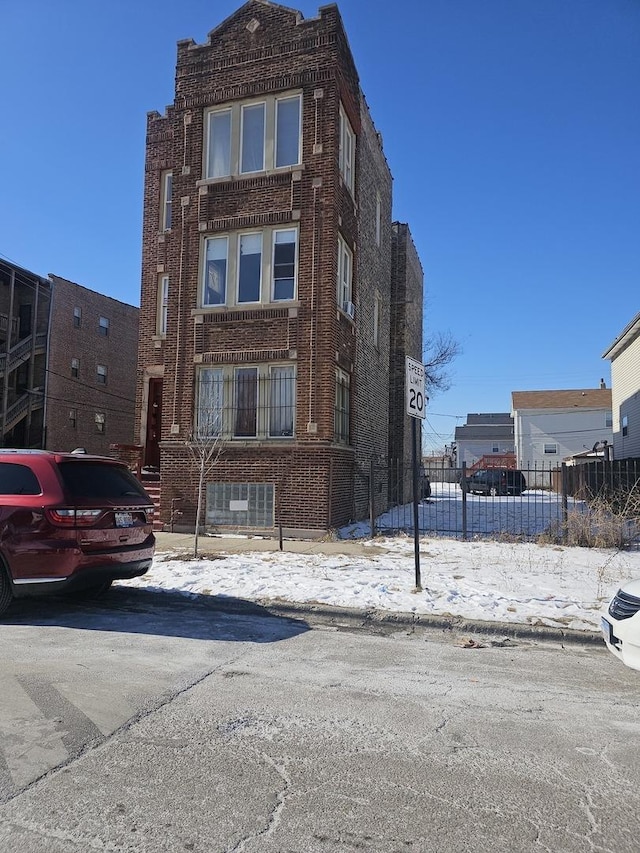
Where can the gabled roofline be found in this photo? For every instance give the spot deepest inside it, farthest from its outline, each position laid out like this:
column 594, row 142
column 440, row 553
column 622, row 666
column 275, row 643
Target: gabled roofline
column 628, row 334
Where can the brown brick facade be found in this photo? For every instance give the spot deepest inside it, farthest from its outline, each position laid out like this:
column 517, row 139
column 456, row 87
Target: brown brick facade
column 261, row 53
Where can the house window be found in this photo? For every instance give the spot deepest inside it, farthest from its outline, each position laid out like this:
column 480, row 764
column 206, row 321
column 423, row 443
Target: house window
column 346, row 156
column 103, row 326
column 246, row 402
column 100, row 422
column 345, row 265
column 77, row 317
column 75, row 367
column 210, row 402
column 73, row 418
column 495, row 449
column 219, row 144
column 251, row 137
column 163, row 305
column 282, row 402
column 166, row 194
column 249, row 267
column 102, row 374
column 288, row 131
column 608, row 419
column 378, row 218
column 284, row 264
column 625, row 425
column 215, row 271
column 377, row 303
column 550, row 448
column 341, row 419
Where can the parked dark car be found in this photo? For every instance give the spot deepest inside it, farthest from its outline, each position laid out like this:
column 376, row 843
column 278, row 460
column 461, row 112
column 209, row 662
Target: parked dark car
column 495, row 481
column 70, row 522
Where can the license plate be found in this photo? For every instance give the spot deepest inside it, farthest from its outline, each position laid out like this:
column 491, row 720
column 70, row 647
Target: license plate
column 124, row 519
column 606, row 628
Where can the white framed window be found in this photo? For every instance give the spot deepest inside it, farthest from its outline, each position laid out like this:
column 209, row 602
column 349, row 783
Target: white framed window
column 249, row 267
column 495, row 449
column 216, row 254
column 347, row 150
column 246, row 402
column 166, row 193
column 344, row 284
column 252, row 138
column 284, row 264
column 257, row 267
column 103, row 326
column 624, row 422
column 210, row 402
column 550, row 448
column 75, row 367
column 219, row 144
column 77, row 317
column 102, row 374
column 288, row 131
column 342, row 407
column 100, row 422
column 244, row 138
column 163, row 305
column 282, row 401
column 73, row 418
column 377, row 307
column 608, row 419
column 378, row 219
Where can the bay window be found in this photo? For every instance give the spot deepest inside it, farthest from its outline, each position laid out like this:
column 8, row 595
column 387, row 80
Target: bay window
column 215, row 271
column 249, row 267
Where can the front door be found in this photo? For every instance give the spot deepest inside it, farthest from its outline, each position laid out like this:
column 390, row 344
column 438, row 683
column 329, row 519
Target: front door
column 154, row 425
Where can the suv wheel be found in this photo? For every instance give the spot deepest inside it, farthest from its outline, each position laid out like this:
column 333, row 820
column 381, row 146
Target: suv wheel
column 6, row 595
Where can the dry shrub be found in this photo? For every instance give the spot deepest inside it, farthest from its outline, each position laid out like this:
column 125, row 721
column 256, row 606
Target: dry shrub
column 607, row 521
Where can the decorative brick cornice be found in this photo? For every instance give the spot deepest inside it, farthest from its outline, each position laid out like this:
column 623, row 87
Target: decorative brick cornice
column 231, row 223
column 245, row 356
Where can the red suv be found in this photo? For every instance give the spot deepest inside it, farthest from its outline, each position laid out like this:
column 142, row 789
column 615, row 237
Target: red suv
column 70, row 522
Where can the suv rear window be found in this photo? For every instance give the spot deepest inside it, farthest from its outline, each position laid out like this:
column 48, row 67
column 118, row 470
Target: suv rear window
column 97, row 480
column 18, row 480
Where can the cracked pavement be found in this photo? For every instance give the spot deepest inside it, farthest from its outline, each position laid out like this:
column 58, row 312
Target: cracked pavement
column 128, row 730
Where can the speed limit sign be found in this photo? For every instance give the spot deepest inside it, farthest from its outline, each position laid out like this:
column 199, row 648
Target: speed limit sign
column 415, row 392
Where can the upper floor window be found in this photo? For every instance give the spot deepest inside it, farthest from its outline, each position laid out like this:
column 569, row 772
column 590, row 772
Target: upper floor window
column 165, row 201
column 253, row 267
column 550, row 448
column 100, row 421
column 254, row 136
column 378, row 218
column 347, row 151
column 75, row 367
column 344, row 284
column 77, row 317
column 377, row 307
column 103, row 326
column 608, row 419
column 163, row 305
column 625, row 425
column 102, row 374
column 73, row 418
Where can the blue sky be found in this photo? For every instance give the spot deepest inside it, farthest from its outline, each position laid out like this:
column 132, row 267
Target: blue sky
column 512, row 129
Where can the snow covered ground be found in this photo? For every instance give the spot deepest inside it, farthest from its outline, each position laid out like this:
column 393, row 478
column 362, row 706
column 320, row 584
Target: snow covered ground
column 514, row 582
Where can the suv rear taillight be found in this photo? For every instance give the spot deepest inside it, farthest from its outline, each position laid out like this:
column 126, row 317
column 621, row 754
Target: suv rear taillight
column 64, row 517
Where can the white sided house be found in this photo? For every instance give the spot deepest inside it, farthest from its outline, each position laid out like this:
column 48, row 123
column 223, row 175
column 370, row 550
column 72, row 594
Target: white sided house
column 485, row 434
column 550, row 426
column 624, row 355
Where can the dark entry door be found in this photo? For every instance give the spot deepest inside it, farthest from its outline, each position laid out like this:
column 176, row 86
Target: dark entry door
column 154, row 424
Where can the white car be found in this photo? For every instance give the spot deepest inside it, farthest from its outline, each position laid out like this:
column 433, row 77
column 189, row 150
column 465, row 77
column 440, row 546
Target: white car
column 621, row 624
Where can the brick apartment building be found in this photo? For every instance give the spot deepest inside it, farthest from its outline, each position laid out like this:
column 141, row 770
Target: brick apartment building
column 272, row 316
column 67, row 364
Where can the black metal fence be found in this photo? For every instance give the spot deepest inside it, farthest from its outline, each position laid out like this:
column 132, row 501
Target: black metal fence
column 454, row 504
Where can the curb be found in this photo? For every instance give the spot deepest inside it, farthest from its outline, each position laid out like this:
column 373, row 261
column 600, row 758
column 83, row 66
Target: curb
column 352, row 618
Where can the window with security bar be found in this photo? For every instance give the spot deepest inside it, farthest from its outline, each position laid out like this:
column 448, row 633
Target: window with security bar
column 246, row 402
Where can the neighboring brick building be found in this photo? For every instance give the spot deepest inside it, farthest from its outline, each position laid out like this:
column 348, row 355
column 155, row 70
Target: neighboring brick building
column 266, row 285
column 67, row 364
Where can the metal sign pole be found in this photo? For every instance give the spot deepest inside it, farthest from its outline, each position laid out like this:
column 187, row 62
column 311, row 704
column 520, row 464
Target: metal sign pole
column 416, row 528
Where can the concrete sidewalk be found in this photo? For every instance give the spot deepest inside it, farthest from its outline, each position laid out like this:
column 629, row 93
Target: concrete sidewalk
column 183, row 543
